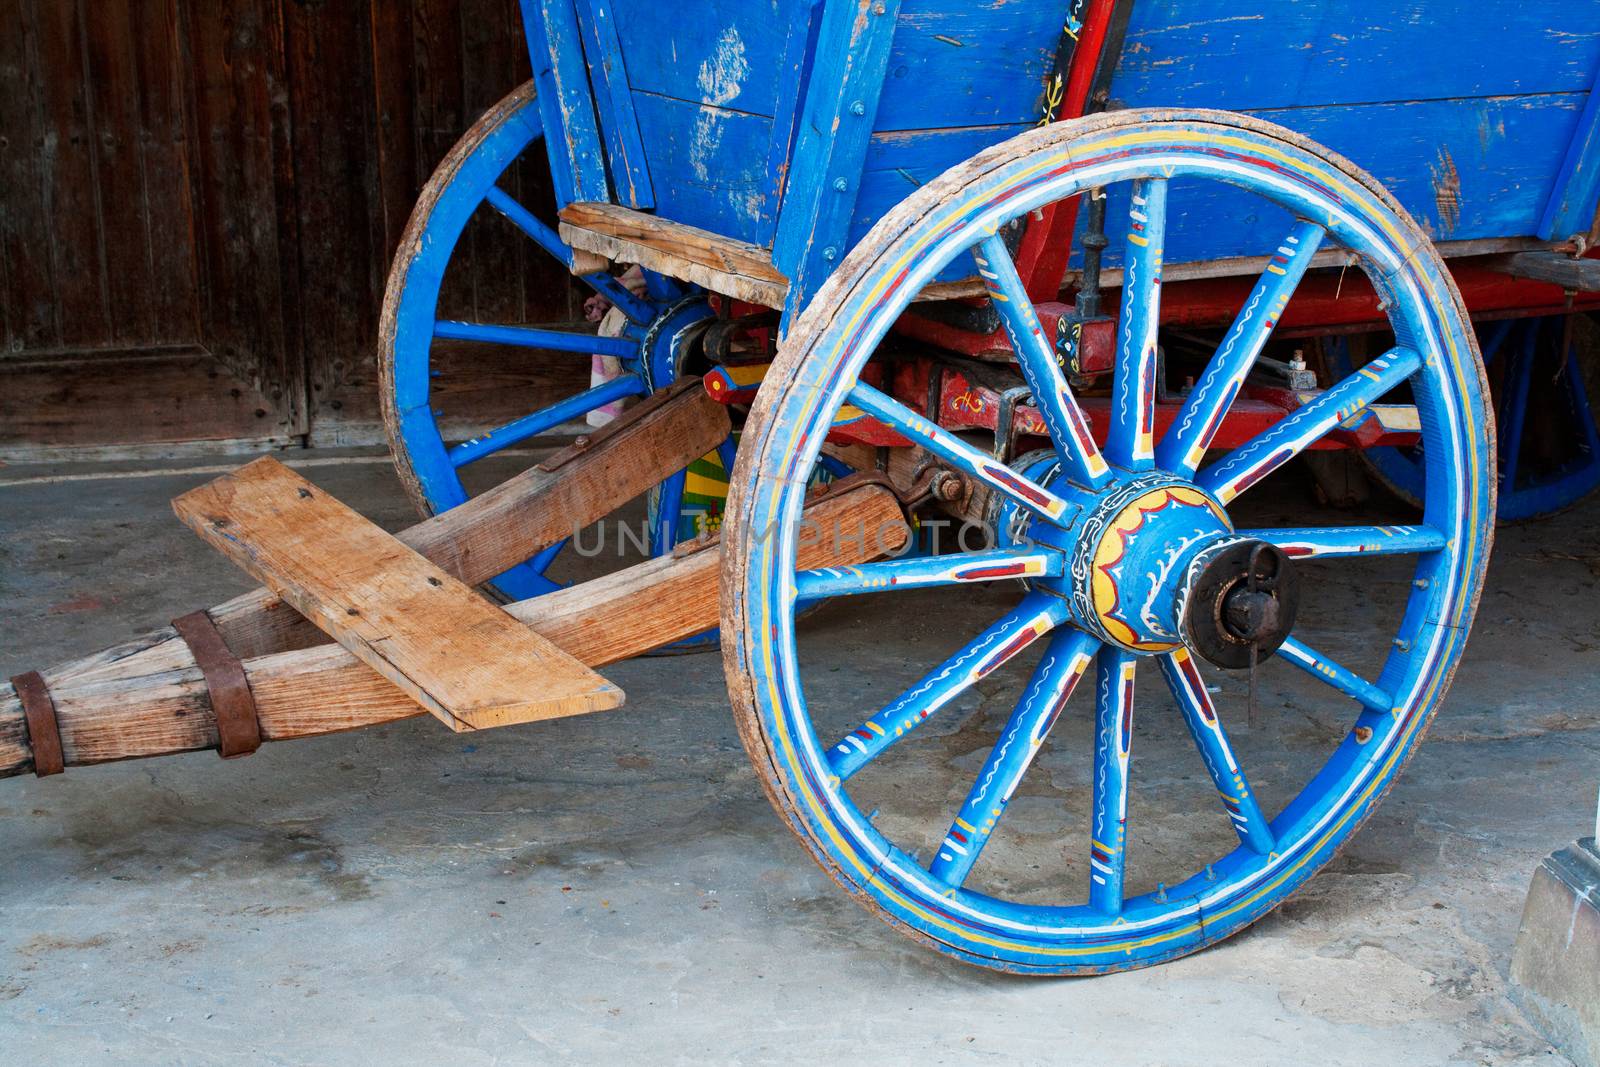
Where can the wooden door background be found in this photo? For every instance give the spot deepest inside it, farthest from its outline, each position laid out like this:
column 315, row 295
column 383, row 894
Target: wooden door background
column 198, row 204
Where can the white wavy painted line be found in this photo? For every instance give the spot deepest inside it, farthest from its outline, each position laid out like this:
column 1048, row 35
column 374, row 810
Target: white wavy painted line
column 1158, row 578
column 952, row 665
column 999, row 755
column 1193, row 408
column 1103, row 700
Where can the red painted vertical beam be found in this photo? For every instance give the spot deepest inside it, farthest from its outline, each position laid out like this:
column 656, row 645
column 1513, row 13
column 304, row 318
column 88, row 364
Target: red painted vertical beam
column 1047, row 242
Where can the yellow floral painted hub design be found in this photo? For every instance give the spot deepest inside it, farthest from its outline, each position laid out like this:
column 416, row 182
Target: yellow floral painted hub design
column 1136, row 570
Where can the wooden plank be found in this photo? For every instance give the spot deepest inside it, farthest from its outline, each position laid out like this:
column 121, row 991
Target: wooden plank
column 841, row 104
column 735, row 268
column 146, row 396
column 158, row 704
column 630, row 171
column 1581, row 275
column 954, row 65
column 437, row 80
column 727, row 53
column 245, row 196
column 67, row 164
column 166, row 155
column 708, row 165
column 494, row 254
column 506, row 525
column 477, row 540
column 1464, row 169
column 31, row 310
column 336, row 204
column 793, row 73
column 462, row 659
column 393, row 83
column 115, row 84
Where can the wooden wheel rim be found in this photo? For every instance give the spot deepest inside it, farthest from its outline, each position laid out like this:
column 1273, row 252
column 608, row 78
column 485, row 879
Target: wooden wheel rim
column 827, row 348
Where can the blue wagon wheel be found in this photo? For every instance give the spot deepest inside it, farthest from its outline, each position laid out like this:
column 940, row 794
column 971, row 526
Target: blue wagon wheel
column 1131, row 552
column 1543, row 372
column 469, row 189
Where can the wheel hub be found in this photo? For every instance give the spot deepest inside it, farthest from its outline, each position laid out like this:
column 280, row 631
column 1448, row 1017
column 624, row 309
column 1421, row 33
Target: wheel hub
column 1129, row 548
column 1154, row 565
column 1242, row 600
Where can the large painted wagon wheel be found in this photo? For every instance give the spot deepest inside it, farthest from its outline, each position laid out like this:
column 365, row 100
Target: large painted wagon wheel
column 1542, row 373
column 468, row 189
column 1131, row 554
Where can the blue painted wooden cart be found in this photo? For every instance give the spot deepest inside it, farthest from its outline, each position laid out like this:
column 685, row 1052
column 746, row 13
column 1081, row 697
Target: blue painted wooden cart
column 1066, row 269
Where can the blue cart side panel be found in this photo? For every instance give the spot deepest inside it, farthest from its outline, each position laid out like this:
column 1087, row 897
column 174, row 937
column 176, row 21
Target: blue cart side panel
column 1466, row 112
column 566, row 105
column 961, row 77
column 719, row 97
column 1571, row 208
column 958, row 77
column 625, row 156
column 705, row 80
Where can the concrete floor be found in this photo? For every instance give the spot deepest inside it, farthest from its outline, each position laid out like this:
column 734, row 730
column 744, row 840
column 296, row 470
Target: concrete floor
column 617, row 886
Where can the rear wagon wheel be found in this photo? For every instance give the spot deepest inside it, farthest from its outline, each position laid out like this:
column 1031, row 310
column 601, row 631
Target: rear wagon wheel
column 470, row 189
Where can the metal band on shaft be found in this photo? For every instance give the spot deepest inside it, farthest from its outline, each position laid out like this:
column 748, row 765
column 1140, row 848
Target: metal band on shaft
column 232, row 702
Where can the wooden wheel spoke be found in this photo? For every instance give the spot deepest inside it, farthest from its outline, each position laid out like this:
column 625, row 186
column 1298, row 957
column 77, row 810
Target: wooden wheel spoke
column 1113, row 747
column 991, row 565
column 1063, row 418
column 1327, row 541
column 535, row 337
column 1341, row 678
column 1035, row 616
column 1519, row 378
column 1189, row 689
column 635, row 309
column 1131, row 442
column 1053, row 681
column 525, row 220
column 1292, row 434
column 958, row 453
column 1208, row 402
column 1578, row 399
column 669, row 510
column 535, row 423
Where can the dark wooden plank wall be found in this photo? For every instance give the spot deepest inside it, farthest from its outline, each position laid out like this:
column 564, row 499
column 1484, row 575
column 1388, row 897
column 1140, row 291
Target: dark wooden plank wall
column 199, row 200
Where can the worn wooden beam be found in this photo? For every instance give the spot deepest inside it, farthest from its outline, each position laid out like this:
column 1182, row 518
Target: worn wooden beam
column 482, row 537
column 724, row 265
column 159, row 706
column 464, row 660
column 1557, row 268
